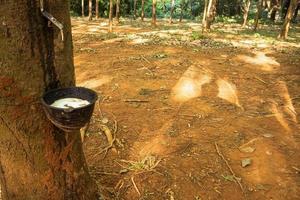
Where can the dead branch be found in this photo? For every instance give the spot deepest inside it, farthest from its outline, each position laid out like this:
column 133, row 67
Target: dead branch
column 227, row 164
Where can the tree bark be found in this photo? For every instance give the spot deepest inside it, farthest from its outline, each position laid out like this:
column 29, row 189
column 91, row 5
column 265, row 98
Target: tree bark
column 143, row 10
column 258, row 14
column 208, row 15
column 97, row 9
column 134, row 9
column 172, row 10
column 246, row 9
column 110, row 17
column 274, row 8
column 118, row 11
column 154, row 12
column 82, row 8
column 90, row 10
column 37, row 160
column 181, row 10
column 287, row 22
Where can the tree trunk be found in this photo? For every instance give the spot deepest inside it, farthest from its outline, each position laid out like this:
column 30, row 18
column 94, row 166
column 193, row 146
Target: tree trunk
column 286, row 25
column 110, row 17
column 97, row 9
column 143, row 10
column 296, row 12
column 134, row 9
column 181, row 10
column 274, row 8
column 118, row 11
column 154, row 12
column 258, row 13
column 191, row 8
column 82, row 8
column 208, row 15
column 90, row 10
column 37, row 160
column 172, row 10
column 246, row 9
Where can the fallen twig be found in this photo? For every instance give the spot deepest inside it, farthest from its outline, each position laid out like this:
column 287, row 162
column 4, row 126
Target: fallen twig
column 135, row 187
column 227, row 164
column 135, row 100
column 260, row 80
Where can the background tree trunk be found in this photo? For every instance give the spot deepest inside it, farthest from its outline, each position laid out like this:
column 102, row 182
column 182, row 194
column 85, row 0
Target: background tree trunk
column 181, row 10
column 118, row 11
column 172, row 10
column 274, row 8
column 208, row 15
column 90, row 10
column 97, row 9
column 154, row 12
column 82, row 8
column 134, row 9
column 143, row 10
column 110, row 17
column 37, row 160
column 286, row 25
column 246, row 9
column 258, row 13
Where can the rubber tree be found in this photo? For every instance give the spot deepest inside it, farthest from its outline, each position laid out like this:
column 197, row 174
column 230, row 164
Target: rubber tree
column 110, row 16
column 90, row 10
column 172, row 10
column 37, row 160
column 134, row 9
column 258, row 14
column 97, row 9
column 208, row 14
column 246, row 9
column 154, row 12
column 274, row 8
column 143, row 10
column 287, row 21
column 82, row 8
column 118, row 11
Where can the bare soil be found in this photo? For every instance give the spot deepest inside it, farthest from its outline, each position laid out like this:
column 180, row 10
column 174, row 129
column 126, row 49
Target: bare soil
column 189, row 109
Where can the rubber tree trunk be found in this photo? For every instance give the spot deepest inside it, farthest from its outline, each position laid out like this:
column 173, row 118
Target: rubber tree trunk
column 154, row 12
column 258, row 14
column 274, row 8
column 134, row 9
column 172, row 10
column 82, row 8
column 118, row 11
column 246, row 9
column 181, row 10
column 208, row 15
column 287, row 22
column 110, row 17
column 37, row 160
column 97, row 9
column 90, row 10
column 143, row 10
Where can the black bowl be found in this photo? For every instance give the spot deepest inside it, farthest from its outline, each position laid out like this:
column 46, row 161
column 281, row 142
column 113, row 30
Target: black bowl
column 69, row 119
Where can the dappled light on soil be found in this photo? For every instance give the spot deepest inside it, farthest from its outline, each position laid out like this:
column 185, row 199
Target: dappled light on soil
column 260, row 59
column 96, row 82
column 228, row 92
column 287, row 101
column 190, row 84
column 279, row 115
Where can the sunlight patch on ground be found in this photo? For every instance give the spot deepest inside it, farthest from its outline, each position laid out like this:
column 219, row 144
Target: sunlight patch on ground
column 279, row 116
column 190, row 84
column 96, row 82
column 228, row 92
column 260, row 59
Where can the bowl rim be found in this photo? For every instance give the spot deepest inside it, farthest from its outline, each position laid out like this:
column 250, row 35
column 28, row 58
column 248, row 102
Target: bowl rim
column 63, row 88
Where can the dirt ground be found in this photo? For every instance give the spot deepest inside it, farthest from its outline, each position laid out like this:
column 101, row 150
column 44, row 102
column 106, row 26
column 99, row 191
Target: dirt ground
column 188, row 110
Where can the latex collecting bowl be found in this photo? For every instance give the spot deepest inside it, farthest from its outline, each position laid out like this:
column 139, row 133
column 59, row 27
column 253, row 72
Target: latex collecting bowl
column 69, row 119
